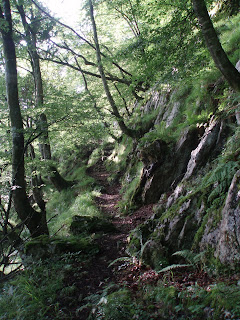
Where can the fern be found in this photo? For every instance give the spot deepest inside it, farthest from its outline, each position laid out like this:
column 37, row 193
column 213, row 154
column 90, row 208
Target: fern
column 174, row 267
column 221, row 179
column 190, row 256
column 124, row 259
column 193, row 259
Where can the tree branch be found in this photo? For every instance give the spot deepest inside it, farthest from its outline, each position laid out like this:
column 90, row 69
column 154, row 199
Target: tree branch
column 214, row 46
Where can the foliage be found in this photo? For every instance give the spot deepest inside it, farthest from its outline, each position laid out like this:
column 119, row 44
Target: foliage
column 33, row 293
column 217, row 181
column 119, row 305
column 154, row 42
column 78, row 200
column 120, row 155
column 164, row 301
column 193, row 260
column 130, row 185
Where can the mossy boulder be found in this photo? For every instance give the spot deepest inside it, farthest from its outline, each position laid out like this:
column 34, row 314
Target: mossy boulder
column 154, row 254
column 87, row 224
column 139, row 237
column 44, row 247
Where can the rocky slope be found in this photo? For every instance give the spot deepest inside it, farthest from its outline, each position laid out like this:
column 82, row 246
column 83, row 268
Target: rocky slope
column 189, row 170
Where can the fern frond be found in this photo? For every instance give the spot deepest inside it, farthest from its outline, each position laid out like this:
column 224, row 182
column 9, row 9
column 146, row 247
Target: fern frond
column 198, row 257
column 186, row 254
column 143, row 246
column 174, row 267
column 125, row 259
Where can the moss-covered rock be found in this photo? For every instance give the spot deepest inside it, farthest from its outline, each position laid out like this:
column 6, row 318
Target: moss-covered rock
column 87, row 224
column 154, row 254
column 44, row 247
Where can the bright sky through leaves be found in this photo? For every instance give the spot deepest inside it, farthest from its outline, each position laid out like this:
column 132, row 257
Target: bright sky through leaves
column 67, row 10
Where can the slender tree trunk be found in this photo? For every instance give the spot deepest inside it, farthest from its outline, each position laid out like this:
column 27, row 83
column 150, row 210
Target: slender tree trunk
column 128, row 131
column 219, row 56
column 35, row 221
column 57, row 180
column 54, row 176
column 36, row 184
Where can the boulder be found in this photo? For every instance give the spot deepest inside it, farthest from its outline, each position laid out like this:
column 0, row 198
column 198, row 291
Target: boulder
column 87, row 224
column 165, row 165
column 43, row 247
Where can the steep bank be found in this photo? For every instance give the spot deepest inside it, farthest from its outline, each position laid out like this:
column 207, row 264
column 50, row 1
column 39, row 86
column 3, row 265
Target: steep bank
column 188, row 167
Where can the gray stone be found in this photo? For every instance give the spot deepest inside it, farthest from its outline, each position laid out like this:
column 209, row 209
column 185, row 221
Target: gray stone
column 228, row 249
column 174, row 112
column 238, row 66
column 201, row 153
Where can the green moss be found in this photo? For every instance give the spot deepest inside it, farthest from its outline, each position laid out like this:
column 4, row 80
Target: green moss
column 199, row 234
column 174, row 209
column 130, row 187
column 87, row 224
column 44, row 247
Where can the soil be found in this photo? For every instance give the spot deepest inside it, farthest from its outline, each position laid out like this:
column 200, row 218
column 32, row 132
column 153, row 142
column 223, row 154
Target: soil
column 89, row 278
column 97, row 272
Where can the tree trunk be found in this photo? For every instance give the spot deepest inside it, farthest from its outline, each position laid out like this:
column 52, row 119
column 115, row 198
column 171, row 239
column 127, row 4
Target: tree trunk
column 57, row 180
column 35, row 221
column 54, row 176
column 219, row 56
column 36, row 184
column 128, row 131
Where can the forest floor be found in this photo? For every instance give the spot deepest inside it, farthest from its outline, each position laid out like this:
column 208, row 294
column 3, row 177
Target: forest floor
column 97, row 272
column 93, row 276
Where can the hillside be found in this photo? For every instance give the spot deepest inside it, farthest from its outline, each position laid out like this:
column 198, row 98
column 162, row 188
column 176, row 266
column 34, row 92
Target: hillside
column 120, row 199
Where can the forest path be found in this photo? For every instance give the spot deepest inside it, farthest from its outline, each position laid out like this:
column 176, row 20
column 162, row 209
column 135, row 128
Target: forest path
column 89, row 279
column 108, row 203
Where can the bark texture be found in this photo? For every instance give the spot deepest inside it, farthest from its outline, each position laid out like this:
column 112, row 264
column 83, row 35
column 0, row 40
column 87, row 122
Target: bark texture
column 128, row 131
column 35, row 221
column 214, row 46
column 57, row 180
column 36, row 182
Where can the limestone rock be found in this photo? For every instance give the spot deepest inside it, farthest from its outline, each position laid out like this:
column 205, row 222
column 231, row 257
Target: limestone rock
column 210, row 236
column 174, row 112
column 228, row 249
column 165, row 165
column 201, row 153
column 238, row 66
column 154, row 254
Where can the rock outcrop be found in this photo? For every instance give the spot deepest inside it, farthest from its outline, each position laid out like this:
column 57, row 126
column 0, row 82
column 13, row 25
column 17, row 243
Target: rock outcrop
column 228, row 247
column 188, row 216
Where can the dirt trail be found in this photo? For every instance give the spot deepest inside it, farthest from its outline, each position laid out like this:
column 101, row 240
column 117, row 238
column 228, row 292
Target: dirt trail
column 90, row 278
column 97, row 273
column 108, row 204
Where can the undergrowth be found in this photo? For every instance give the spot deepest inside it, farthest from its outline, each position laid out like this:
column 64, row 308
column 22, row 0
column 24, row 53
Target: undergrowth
column 78, row 200
column 165, row 301
column 33, row 294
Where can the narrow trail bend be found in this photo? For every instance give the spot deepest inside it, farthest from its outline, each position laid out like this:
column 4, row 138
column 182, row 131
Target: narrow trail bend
column 113, row 245
column 91, row 278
